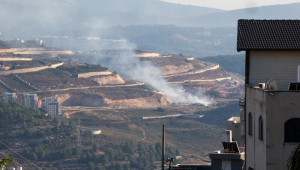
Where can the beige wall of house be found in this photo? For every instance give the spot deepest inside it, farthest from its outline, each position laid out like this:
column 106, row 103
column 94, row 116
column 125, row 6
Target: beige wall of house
column 281, row 66
column 276, row 107
column 255, row 148
column 280, row 108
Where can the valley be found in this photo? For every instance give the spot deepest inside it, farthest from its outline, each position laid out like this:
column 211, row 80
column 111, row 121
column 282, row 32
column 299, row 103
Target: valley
column 95, row 97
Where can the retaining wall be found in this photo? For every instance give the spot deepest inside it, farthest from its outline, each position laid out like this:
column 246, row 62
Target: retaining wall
column 26, row 83
column 90, row 74
column 27, row 70
column 11, row 50
column 15, row 59
column 7, row 87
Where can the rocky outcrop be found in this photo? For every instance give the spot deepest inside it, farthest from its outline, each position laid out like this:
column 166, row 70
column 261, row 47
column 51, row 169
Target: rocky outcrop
column 111, row 79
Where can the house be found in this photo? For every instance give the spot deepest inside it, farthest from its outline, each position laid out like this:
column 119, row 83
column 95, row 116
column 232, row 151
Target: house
column 272, row 91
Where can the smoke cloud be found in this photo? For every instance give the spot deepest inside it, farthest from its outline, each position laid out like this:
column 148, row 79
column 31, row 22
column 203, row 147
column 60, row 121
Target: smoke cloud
column 75, row 19
column 131, row 66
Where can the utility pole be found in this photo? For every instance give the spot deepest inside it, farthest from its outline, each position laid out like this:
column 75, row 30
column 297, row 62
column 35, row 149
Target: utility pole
column 163, row 149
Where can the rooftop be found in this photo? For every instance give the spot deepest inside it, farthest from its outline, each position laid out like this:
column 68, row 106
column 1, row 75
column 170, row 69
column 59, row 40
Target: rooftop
column 268, row 35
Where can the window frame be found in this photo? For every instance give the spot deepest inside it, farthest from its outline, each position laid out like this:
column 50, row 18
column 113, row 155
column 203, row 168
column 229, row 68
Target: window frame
column 261, row 128
column 250, row 124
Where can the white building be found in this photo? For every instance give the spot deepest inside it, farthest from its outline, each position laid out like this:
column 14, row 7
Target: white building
column 10, row 97
column 30, row 100
column 272, row 92
column 51, row 106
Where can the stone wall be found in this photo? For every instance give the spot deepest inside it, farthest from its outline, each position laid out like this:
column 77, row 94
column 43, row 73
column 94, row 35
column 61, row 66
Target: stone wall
column 11, row 50
column 27, row 70
column 90, row 74
column 14, row 59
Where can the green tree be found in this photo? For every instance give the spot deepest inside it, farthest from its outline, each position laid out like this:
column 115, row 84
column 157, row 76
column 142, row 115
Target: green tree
column 95, row 147
column 119, row 166
column 294, row 159
column 92, row 166
column 6, row 162
column 126, row 166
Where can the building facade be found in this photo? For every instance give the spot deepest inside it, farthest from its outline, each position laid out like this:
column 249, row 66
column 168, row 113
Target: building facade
column 51, row 106
column 272, row 116
column 10, row 97
column 30, row 100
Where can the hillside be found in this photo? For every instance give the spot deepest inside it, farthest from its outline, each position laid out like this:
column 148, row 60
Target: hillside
column 57, row 17
column 126, row 139
column 231, row 63
column 144, row 80
column 128, row 105
column 229, row 18
column 163, row 39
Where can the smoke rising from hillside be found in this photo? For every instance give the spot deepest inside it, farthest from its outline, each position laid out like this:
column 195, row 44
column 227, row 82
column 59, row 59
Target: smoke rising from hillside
column 74, row 19
column 127, row 64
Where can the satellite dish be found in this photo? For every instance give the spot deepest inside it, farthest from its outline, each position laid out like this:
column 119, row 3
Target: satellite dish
column 271, row 85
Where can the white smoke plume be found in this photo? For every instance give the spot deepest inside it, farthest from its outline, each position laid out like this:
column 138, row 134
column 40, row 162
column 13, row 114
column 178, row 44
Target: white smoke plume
column 127, row 64
column 32, row 19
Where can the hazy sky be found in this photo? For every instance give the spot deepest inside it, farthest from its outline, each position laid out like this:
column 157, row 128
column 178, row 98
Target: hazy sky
column 232, row 4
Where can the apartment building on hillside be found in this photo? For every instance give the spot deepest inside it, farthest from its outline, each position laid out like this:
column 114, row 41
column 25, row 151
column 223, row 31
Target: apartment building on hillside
column 30, row 100
column 51, row 106
column 272, row 80
column 10, row 97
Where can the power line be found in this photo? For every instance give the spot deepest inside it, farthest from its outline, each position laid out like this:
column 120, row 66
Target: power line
column 20, row 155
column 14, row 161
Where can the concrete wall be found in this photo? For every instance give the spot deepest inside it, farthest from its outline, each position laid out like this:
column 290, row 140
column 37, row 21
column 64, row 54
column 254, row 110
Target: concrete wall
column 27, row 70
column 90, row 74
column 280, row 108
column 148, row 55
column 26, row 83
column 234, row 125
column 15, row 59
column 280, row 66
column 255, row 148
column 53, row 53
column 10, row 50
column 276, row 108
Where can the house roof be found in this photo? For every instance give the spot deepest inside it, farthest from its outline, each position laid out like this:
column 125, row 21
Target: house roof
column 268, row 35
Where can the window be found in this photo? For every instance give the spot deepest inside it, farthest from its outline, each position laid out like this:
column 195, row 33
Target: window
column 298, row 73
column 250, row 124
column 292, row 130
column 260, row 128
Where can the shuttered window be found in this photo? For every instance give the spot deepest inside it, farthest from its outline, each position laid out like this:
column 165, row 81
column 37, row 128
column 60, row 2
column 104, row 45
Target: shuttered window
column 250, row 124
column 292, row 130
column 260, row 128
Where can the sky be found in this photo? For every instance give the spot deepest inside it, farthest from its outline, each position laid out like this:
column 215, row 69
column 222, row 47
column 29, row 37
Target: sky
column 232, row 4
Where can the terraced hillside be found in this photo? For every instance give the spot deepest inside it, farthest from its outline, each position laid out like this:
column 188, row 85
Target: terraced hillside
column 197, row 76
column 55, row 79
column 12, row 81
column 174, row 64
